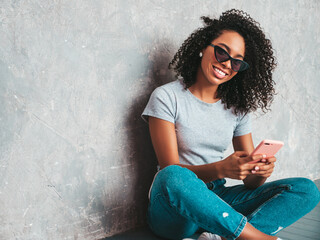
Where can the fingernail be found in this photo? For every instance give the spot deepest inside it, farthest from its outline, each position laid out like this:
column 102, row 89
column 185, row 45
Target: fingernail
column 264, row 156
column 253, row 171
column 256, row 168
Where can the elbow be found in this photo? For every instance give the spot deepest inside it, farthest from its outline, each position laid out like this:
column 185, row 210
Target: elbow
column 164, row 164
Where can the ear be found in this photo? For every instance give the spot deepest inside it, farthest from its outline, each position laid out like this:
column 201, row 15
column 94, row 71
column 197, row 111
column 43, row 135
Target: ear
column 201, row 52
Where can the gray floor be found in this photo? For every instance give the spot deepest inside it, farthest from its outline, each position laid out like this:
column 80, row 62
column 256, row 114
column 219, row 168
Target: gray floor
column 307, row 228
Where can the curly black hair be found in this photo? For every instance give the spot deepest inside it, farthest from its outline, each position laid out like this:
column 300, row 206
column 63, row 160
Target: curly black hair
column 248, row 90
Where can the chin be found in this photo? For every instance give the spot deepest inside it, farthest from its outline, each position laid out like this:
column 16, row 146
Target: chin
column 218, row 81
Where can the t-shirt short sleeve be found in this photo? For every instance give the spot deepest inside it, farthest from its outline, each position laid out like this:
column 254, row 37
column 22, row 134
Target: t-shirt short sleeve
column 243, row 126
column 161, row 105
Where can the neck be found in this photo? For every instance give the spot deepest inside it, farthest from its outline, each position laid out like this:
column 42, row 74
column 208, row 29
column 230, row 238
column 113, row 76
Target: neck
column 203, row 89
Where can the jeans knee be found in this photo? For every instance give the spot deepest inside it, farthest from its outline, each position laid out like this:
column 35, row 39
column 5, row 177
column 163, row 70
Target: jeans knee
column 174, row 178
column 309, row 190
column 173, row 174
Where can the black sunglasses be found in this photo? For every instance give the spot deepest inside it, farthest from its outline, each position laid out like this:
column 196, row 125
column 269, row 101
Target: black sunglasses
column 222, row 55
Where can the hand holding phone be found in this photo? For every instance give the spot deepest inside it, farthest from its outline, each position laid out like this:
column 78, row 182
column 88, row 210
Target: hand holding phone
column 268, row 148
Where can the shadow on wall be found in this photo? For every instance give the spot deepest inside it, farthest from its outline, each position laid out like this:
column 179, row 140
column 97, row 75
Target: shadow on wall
column 140, row 150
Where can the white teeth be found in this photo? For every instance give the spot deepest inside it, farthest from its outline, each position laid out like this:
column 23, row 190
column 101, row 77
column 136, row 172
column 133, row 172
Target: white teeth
column 219, row 71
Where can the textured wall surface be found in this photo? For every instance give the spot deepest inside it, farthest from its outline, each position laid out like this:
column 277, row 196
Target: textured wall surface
column 76, row 160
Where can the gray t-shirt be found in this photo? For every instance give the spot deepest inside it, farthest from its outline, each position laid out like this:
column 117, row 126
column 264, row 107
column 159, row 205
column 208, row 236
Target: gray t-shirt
column 204, row 130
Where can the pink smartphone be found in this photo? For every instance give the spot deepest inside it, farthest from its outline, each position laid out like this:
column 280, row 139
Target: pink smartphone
column 268, row 148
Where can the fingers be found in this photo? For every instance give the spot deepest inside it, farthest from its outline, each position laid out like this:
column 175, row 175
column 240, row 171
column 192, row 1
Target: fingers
column 259, row 157
column 271, row 160
column 264, row 170
column 251, row 159
column 246, row 164
column 262, row 174
column 256, row 168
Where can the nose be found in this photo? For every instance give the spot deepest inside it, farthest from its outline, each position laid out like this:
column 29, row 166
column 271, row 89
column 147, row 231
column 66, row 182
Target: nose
column 227, row 64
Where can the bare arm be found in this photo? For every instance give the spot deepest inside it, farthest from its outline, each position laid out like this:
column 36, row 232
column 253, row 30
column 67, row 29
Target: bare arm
column 164, row 142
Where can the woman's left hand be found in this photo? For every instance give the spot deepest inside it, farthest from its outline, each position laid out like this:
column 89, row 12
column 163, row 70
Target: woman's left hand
column 264, row 168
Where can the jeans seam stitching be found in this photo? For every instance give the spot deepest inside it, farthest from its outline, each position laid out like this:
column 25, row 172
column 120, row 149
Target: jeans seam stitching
column 241, row 222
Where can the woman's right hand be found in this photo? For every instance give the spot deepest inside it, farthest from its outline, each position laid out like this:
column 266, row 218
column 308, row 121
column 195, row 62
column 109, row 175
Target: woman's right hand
column 239, row 165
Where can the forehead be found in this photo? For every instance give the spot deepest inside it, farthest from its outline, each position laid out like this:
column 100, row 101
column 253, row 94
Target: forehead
column 233, row 40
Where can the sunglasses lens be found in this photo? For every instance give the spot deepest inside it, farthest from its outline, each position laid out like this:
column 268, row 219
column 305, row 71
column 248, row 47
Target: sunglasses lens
column 236, row 65
column 221, row 54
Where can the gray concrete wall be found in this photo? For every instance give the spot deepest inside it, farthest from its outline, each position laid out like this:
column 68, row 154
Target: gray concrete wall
column 76, row 160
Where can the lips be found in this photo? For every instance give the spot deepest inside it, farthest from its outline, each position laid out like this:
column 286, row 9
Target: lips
column 218, row 72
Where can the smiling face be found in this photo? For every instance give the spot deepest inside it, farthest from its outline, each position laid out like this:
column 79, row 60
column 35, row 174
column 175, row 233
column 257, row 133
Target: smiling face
column 213, row 72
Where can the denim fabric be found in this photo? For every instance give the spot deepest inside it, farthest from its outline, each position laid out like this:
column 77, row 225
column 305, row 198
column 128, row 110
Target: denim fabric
column 181, row 204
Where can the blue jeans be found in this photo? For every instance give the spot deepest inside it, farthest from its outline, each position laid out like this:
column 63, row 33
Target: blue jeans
column 181, row 204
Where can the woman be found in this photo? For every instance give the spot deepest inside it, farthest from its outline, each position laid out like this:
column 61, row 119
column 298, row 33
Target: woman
column 226, row 69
